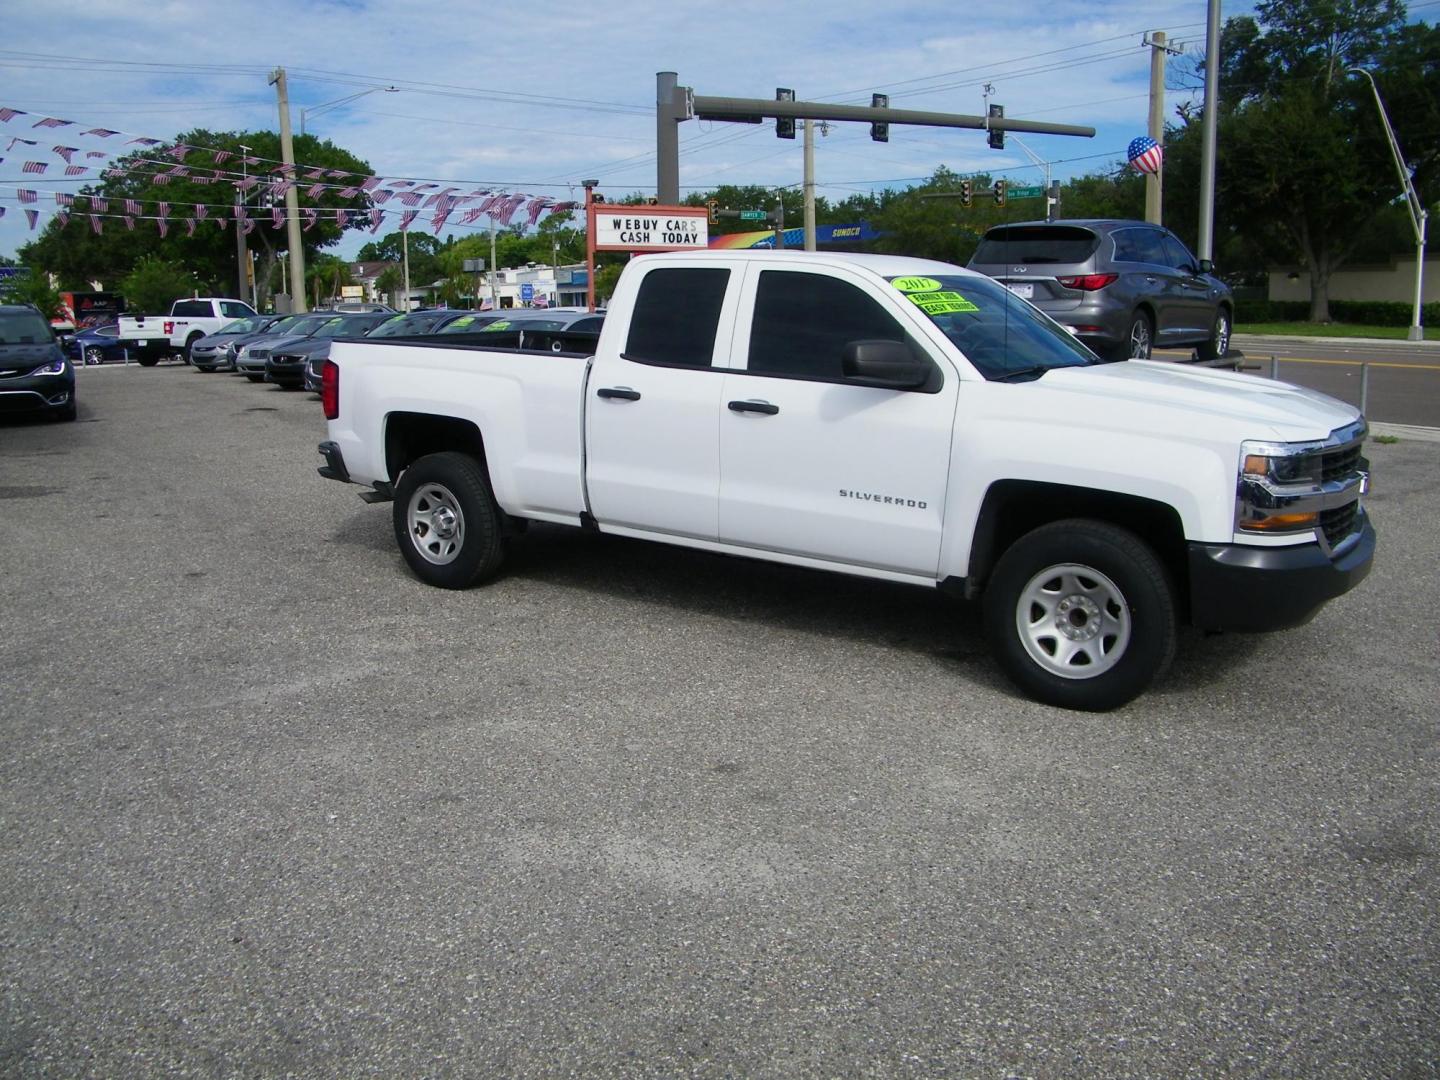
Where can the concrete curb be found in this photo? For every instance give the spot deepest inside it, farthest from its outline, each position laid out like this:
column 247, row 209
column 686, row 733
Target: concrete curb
column 1343, row 342
column 1407, row 432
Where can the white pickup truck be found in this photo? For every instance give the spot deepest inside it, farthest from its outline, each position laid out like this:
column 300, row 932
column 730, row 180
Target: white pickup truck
column 150, row 338
column 889, row 417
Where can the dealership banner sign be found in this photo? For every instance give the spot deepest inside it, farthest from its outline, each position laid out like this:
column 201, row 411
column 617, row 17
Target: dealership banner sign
column 648, row 228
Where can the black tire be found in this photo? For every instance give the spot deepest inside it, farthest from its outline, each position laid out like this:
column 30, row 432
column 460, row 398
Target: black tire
column 468, row 544
column 1139, row 340
column 189, row 344
column 94, row 355
column 148, row 361
column 1218, row 344
column 1116, row 583
column 254, row 378
column 67, row 412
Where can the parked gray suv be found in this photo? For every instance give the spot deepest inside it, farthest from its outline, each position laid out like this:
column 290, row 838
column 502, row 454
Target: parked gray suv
column 1123, row 287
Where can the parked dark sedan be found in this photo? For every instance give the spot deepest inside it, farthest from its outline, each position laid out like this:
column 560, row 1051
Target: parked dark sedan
column 286, row 364
column 35, row 375
column 95, row 345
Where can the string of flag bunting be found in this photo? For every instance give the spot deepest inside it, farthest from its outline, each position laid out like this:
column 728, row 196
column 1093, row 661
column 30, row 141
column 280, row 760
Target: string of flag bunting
column 313, row 180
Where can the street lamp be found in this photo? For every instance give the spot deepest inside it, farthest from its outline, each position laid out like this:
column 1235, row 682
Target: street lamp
column 341, row 101
column 1043, row 166
column 1418, row 213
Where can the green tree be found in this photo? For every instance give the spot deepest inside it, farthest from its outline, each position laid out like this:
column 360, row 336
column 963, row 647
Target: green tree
column 156, row 283
column 424, row 254
column 1303, row 170
column 32, row 287
column 389, row 283
column 324, row 277
column 77, row 255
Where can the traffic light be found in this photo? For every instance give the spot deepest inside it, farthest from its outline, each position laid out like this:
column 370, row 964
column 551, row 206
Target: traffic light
column 711, row 205
column 880, row 131
column 784, row 125
column 997, row 137
column 999, row 192
column 967, row 192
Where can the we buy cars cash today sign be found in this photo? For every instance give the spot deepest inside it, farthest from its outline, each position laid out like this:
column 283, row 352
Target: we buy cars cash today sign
column 648, row 228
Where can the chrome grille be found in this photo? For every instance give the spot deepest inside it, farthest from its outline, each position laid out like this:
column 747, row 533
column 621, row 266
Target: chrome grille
column 1338, row 464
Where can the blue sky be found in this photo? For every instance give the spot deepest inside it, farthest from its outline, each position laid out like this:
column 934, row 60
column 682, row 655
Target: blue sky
column 534, row 99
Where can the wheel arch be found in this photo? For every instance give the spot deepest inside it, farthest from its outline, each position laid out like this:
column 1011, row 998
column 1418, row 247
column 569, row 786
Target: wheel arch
column 1012, row 508
column 411, row 435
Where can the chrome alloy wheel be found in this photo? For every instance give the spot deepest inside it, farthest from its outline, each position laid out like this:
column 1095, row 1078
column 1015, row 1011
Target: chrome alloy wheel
column 1222, row 334
column 1073, row 621
column 436, row 524
column 1140, row 339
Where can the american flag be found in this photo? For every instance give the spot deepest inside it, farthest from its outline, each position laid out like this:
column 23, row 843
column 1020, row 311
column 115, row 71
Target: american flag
column 129, row 223
column 382, row 197
column 315, row 174
column 485, row 206
column 314, row 191
column 75, row 170
column 248, row 226
column 438, row 221
column 426, row 187
column 409, row 198
column 62, row 199
column 160, row 178
column 277, row 217
column 402, row 183
column 163, row 226
column 247, row 183
column 132, row 206
column 95, row 224
column 221, row 156
column 406, row 218
column 222, row 221
column 9, row 114
column 100, row 204
column 92, row 154
column 349, row 192
column 535, row 207
column 178, row 151
column 370, row 184
column 103, row 133
column 164, row 210
column 250, row 159
column 16, row 139
column 376, row 216
column 179, row 170
column 32, row 216
column 284, row 167
column 114, row 174
column 66, row 152
column 342, row 218
column 26, row 195
column 189, row 226
column 1145, row 154
column 506, row 210
column 142, row 141
column 336, row 174
column 51, row 122
column 311, row 216
column 201, row 211
column 36, row 167
column 470, row 215
column 63, row 218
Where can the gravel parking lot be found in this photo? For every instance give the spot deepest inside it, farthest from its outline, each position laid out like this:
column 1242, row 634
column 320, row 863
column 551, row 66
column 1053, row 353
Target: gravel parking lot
column 269, row 806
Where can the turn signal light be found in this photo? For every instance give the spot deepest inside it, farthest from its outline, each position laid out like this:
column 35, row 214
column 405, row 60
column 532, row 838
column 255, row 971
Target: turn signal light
column 1283, row 523
column 330, row 390
column 1087, row 282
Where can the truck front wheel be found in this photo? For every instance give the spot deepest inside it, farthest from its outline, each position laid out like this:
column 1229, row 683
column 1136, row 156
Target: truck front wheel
column 447, row 522
column 1081, row 614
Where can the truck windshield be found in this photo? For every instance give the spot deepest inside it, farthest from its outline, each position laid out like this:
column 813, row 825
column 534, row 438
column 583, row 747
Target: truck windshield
column 1002, row 335
column 23, row 328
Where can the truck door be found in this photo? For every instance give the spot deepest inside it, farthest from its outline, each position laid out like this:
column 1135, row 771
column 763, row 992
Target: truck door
column 652, row 411
column 814, row 465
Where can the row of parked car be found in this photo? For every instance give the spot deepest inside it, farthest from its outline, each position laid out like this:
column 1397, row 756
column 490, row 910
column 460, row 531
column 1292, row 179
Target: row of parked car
column 289, row 350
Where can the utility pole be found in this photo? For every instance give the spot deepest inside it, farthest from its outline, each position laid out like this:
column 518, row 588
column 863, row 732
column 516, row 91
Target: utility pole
column 494, row 295
column 405, row 262
column 292, row 198
column 242, row 252
column 1158, row 52
column 809, row 185
column 1210, row 122
column 667, row 139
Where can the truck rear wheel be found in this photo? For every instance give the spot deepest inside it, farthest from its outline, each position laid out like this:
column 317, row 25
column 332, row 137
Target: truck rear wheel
column 447, row 522
column 1081, row 614
column 148, row 359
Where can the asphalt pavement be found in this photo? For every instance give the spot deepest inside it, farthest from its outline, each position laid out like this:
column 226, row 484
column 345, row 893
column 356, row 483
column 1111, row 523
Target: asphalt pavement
column 269, row 806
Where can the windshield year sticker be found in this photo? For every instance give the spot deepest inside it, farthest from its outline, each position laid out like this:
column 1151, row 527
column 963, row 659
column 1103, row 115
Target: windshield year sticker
column 497, row 326
column 941, row 303
column 916, row 284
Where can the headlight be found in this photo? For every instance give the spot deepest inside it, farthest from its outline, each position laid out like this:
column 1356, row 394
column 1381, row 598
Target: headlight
column 1290, row 488
column 54, row 367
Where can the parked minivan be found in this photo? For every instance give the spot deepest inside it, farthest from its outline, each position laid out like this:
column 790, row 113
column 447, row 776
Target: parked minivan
column 1123, row 287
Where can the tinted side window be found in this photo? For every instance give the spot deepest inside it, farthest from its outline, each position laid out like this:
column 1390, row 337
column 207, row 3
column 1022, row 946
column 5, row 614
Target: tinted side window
column 803, row 322
column 1176, row 255
column 588, row 326
column 233, row 310
column 676, row 315
column 189, row 309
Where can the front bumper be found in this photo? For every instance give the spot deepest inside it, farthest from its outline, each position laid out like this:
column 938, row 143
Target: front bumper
column 1237, row 587
column 35, row 394
column 285, row 371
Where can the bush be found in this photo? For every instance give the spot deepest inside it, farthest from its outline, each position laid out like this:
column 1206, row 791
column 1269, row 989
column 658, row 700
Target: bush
column 1360, row 312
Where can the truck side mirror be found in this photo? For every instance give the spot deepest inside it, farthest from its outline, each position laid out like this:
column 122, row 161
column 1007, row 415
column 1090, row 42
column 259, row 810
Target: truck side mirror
column 887, row 364
column 1206, row 266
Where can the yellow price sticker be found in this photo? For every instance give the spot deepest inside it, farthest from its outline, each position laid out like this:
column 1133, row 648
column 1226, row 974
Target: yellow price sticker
column 497, row 326
column 916, row 284
column 941, row 303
